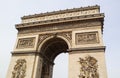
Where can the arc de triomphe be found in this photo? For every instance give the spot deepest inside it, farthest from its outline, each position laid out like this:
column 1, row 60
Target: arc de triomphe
column 41, row 37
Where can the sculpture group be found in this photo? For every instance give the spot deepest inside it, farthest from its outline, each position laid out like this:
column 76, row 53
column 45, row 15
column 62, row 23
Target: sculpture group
column 89, row 67
column 19, row 70
column 42, row 37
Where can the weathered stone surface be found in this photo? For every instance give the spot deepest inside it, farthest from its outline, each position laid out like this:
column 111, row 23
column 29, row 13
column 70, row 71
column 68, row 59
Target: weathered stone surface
column 41, row 37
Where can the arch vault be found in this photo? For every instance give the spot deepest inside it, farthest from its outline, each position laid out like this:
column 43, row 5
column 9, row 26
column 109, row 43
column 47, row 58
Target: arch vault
column 41, row 37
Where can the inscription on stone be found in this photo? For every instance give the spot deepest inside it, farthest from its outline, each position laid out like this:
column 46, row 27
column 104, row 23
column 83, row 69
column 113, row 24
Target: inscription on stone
column 87, row 38
column 26, row 43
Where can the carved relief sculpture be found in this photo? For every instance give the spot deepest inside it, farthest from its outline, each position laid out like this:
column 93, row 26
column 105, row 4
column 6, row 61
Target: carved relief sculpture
column 19, row 69
column 89, row 68
column 43, row 37
column 58, row 16
column 87, row 38
column 67, row 35
column 26, row 43
column 60, row 26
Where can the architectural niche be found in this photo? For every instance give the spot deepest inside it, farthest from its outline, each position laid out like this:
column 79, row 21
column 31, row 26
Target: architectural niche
column 19, row 69
column 89, row 67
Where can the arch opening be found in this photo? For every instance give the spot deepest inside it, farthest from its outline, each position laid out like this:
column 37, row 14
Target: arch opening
column 60, row 69
column 50, row 50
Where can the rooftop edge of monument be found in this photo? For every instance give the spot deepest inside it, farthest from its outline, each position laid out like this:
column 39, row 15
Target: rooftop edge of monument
column 90, row 10
column 62, row 20
column 90, row 13
column 61, row 11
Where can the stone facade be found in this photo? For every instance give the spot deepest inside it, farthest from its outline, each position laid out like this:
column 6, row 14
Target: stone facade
column 41, row 37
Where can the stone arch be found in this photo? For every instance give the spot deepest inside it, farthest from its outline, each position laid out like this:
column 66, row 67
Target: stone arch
column 40, row 41
column 55, row 45
column 48, row 38
column 49, row 49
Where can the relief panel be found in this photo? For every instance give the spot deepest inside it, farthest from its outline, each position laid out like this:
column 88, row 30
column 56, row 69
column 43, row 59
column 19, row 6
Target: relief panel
column 89, row 67
column 19, row 70
column 26, row 43
column 86, row 38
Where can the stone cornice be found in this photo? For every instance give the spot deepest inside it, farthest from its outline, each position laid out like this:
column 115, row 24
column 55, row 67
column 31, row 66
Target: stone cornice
column 24, row 53
column 61, row 11
column 31, row 53
column 99, row 48
column 78, row 18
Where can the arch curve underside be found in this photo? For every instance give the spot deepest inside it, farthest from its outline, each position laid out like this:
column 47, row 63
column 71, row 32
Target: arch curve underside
column 50, row 49
column 53, row 47
column 41, row 37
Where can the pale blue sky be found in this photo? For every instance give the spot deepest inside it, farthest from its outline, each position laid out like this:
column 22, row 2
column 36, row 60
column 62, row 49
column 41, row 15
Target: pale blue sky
column 12, row 10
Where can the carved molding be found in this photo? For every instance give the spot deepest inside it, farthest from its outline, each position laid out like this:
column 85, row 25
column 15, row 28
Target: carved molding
column 64, row 15
column 43, row 37
column 62, row 26
column 86, row 38
column 19, row 69
column 89, row 67
column 88, row 8
column 67, row 35
column 26, row 43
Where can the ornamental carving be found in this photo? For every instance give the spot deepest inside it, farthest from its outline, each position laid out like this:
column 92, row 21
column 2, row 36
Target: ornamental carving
column 62, row 26
column 87, row 38
column 19, row 69
column 58, row 16
column 67, row 35
column 89, row 67
column 43, row 37
column 26, row 43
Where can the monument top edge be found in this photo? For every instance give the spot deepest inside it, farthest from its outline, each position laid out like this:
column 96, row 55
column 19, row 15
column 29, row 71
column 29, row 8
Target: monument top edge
column 61, row 12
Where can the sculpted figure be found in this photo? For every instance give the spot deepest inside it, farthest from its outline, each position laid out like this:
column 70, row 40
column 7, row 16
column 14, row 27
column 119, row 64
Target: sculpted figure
column 88, row 67
column 19, row 69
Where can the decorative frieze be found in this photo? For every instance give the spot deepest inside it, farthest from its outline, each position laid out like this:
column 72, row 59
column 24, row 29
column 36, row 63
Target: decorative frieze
column 86, row 38
column 26, row 43
column 62, row 26
column 89, row 67
column 19, row 70
column 63, row 15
